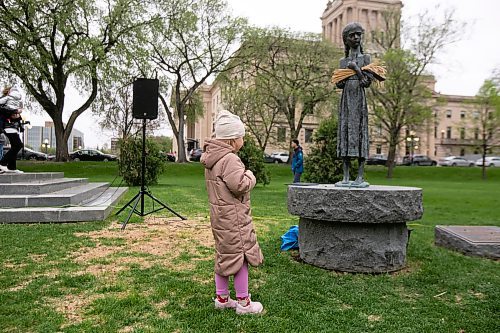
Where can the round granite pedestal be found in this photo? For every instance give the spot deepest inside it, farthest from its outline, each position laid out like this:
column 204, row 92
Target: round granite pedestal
column 359, row 230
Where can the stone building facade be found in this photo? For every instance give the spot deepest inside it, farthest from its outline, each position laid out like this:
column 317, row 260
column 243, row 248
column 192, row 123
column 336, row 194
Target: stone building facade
column 447, row 133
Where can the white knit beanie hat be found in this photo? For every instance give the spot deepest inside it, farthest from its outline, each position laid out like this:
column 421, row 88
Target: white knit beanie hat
column 228, row 126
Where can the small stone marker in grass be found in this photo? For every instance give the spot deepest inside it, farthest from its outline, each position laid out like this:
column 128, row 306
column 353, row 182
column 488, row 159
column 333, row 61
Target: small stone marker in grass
column 480, row 241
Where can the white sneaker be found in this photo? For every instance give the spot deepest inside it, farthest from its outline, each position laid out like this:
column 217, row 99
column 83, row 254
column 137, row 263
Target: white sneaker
column 3, row 168
column 249, row 308
column 14, row 171
column 228, row 304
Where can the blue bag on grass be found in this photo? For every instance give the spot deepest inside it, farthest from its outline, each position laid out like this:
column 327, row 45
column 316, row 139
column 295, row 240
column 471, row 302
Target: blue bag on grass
column 290, row 240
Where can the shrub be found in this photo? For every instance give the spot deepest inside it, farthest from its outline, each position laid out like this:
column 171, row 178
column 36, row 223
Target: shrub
column 253, row 158
column 322, row 165
column 129, row 164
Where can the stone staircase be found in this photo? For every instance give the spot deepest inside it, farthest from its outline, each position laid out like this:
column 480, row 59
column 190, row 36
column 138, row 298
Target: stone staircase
column 48, row 197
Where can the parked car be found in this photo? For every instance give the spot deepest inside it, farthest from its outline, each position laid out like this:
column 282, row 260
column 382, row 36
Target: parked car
column 455, row 161
column 269, row 159
column 377, row 159
column 30, row 154
column 419, row 160
column 91, row 155
column 490, row 161
column 195, row 155
column 282, row 157
column 170, row 157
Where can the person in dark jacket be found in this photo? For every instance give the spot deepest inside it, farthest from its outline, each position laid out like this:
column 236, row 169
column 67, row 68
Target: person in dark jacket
column 297, row 161
column 10, row 119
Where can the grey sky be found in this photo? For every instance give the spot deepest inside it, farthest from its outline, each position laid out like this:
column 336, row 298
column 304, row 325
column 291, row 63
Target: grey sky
column 463, row 66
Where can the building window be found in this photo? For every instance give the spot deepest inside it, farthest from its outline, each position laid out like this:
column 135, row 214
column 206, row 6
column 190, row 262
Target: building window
column 475, row 114
column 448, row 113
column 462, row 114
column 476, row 133
column 462, row 152
column 448, row 132
column 379, row 149
column 462, row 133
column 281, row 134
column 308, row 135
column 435, row 132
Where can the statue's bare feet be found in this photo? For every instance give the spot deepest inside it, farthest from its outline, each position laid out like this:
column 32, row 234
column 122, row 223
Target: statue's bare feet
column 359, row 180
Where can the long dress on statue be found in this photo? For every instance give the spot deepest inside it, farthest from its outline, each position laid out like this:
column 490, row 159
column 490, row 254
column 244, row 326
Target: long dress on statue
column 352, row 135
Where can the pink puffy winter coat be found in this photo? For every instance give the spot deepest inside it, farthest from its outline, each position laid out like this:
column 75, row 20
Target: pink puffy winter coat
column 229, row 186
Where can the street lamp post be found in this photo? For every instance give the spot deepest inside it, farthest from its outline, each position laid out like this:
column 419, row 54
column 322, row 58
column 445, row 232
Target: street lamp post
column 413, row 141
column 46, row 145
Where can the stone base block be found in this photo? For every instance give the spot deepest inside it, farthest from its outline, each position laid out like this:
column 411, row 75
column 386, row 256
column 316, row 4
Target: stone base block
column 480, row 241
column 353, row 247
column 374, row 204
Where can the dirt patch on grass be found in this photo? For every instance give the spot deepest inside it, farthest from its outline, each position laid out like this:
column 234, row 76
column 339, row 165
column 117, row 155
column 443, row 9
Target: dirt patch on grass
column 155, row 241
column 26, row 282
column 372, row 318
column 13, row 266
column 73, row 306
column 174, row 244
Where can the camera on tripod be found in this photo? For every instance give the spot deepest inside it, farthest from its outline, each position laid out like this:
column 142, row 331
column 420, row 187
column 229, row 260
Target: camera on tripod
column 22, row 123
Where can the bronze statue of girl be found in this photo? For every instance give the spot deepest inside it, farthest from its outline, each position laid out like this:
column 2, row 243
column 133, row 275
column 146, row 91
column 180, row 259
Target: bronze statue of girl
column 352, row 135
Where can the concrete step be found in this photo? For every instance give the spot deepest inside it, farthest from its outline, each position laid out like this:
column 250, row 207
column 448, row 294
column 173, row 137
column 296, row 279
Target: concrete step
column 70, row 196
column 9, row 178
column 96, row 209
column 41, row 187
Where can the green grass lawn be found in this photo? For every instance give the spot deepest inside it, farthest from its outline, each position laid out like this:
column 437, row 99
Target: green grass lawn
column 157, row 275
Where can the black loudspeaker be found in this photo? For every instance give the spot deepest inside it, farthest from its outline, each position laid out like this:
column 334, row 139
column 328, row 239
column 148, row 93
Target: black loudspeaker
column 145, row 103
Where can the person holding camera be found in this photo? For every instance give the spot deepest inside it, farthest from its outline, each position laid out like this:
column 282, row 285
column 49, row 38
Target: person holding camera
column 10, row 124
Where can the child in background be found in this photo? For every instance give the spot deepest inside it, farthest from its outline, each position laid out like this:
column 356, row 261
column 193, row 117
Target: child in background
column 229, row 186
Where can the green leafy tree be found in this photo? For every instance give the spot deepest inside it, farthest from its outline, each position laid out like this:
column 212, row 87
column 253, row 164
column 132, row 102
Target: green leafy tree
column 322, row 165
column 195, row 40
column 486, row 119
column 164, row 142
column 253, row 158
column 290, row 73
column 114, row 106
column 402, row 102
column 130, row 162
column 255, row 109
column 48, row 44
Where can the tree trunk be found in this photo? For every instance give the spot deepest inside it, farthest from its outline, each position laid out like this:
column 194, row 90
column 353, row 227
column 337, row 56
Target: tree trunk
column 484, row 161
column 181, row 145
column 391, row 158
column 61, row 144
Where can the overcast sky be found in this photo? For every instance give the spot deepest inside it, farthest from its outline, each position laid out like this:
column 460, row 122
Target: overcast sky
column 463, row 66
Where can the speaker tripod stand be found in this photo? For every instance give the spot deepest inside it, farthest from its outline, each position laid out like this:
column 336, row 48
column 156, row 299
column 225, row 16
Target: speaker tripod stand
column 143, row 191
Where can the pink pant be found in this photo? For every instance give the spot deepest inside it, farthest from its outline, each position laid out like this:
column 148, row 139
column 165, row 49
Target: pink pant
column 240, row 282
